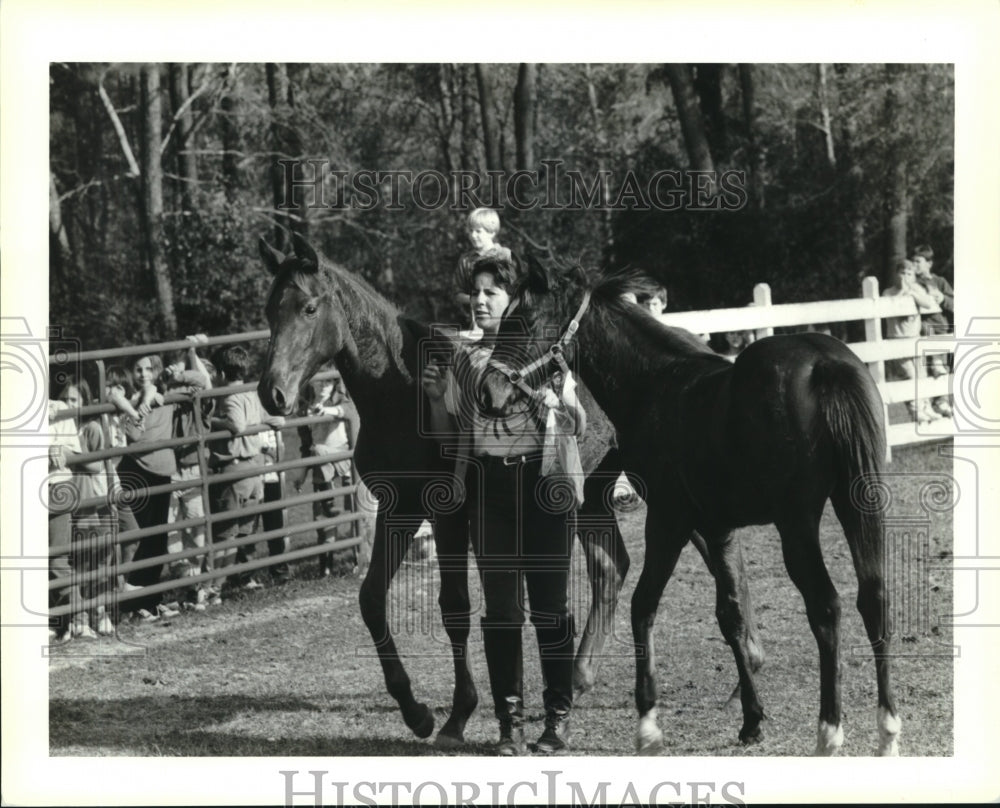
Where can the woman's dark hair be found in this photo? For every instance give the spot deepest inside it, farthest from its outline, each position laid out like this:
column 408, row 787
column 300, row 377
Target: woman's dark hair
column 505, row 272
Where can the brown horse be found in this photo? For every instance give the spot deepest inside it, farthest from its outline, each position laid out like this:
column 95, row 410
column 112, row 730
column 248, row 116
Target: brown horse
column 319, row 312
column 795, row 421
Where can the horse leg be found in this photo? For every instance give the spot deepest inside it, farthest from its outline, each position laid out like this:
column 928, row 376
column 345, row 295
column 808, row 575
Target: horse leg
column 664, row 542
column 387, row 553
column 804, row 562
column 451, row 537
column 867, row 546
column 726, row 553
column 607, row 565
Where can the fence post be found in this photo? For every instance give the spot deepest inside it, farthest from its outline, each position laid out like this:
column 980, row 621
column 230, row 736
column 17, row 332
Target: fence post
column 762, row 297
column 873, row 333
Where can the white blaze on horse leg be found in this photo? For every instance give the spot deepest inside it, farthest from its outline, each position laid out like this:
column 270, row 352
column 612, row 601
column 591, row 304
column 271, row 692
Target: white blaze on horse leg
column 889, row 726
column 648, row 738
column 829, row 739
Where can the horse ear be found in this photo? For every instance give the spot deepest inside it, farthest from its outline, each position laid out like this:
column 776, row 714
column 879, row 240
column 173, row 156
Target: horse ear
column 304, row 252
column 537, row 274
column 271, row 257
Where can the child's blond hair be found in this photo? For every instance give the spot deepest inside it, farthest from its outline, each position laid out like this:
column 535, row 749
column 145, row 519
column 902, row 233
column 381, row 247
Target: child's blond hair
column 486, row 218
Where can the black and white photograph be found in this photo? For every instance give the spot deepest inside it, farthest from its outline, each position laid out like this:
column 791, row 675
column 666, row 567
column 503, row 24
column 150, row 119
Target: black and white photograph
column 424, row 407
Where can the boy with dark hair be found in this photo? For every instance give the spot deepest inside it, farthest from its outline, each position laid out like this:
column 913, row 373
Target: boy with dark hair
column 655, row 301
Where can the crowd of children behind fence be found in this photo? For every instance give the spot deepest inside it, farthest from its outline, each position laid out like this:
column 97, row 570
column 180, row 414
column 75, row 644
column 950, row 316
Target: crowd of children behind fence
column 148, row 408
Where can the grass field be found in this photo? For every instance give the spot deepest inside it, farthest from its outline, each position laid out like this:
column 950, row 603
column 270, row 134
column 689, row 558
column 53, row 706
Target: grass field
column 289, row 671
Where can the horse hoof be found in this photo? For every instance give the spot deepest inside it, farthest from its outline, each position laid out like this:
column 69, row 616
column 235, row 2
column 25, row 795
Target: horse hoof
column 750, row 735
column 829, row 739
column 889, row 727
column 444, row 741
column 420, row 721
column 649, row 737
column 649, row 747
column 582, row 682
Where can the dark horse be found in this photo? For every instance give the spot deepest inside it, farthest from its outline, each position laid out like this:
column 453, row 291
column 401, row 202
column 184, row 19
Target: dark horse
column 319, row 312
column 796, row 420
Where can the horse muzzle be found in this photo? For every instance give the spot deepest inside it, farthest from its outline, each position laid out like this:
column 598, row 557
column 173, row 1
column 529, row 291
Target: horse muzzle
column 274, row 398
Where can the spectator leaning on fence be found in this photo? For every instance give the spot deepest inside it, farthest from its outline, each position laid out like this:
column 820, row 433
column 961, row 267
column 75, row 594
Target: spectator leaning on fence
column 144, row 469
column 272, row 449
column 935, row 323
column 188, row 375
column 905, row 284
column 238, row 412
column 65, row 446
column 118, row 390
column 325, row 397
column 93, row 548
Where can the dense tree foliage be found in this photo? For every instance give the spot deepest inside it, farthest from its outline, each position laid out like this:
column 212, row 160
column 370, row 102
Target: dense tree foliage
column 164, row 176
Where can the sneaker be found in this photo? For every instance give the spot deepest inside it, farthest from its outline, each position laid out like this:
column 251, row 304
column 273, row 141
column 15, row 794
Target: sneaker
column 144, row 616
column 215, row 599
column 250, row 585
column 165, row 610
column 105, row 626
column 83, row 630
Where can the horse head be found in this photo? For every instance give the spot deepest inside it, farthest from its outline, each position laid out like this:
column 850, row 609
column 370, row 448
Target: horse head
column 535, row 338
column 307, row 321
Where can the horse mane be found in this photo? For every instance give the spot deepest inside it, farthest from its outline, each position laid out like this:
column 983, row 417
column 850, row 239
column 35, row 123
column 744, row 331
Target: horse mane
column 608, row 293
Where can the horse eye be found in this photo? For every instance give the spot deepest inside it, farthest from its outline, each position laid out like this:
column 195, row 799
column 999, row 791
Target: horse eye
column 310, row 309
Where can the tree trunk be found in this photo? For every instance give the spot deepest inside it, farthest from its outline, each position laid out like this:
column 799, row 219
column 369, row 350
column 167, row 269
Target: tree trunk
column 152, row 186
column 754, row 153
column 187, row 161
column 488, row 112
column 852, row 180
column 602, row 173
column 466, row 126
column 689, row 113
column 896, row 196
column 66, row 261
column 290, row 214
column 525, row 111
column 446, row 114
column 230, row 135
column 707, row 84
column 824, row 106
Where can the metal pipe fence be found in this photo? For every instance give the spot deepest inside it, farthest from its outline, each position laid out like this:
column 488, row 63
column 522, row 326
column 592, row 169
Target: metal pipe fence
column 94, row 549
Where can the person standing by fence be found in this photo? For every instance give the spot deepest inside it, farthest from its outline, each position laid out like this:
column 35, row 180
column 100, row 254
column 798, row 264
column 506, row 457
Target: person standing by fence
column 325, row 397
column 147, row 469
column 905, row 284
column 237, row 413
column 935, row 323
column 189, row 375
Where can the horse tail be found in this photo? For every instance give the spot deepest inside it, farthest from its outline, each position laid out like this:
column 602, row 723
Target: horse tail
column 853, row 413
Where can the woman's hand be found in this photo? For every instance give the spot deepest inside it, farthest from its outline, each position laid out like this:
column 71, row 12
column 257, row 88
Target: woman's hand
column 434, row 381
column 549, row 398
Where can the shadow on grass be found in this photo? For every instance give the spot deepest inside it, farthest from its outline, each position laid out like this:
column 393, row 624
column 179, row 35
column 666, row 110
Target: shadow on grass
column 171, row 725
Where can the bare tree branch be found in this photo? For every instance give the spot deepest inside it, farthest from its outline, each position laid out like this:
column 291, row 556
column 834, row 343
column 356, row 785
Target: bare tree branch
column 119, row 130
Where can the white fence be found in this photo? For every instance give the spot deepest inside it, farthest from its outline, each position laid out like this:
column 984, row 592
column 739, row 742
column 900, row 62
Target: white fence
column 763, row 317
